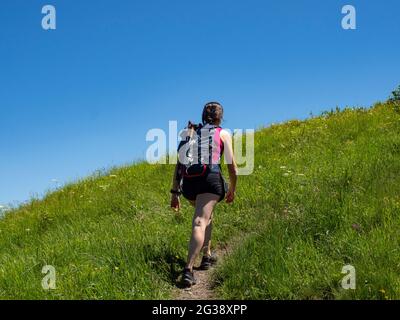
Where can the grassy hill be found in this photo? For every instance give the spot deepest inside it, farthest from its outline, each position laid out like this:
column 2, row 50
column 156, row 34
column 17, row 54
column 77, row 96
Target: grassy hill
column 325, row 193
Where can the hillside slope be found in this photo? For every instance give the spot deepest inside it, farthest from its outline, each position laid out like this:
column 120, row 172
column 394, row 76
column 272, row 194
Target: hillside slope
column 325, row 193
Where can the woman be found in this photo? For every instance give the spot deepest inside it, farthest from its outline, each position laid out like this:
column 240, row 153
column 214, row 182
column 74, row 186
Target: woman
column 205, row 191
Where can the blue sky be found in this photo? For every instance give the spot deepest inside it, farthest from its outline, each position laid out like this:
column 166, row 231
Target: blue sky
column 82, row 97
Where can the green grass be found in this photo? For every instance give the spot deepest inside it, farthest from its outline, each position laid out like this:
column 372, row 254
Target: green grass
column 325, row 193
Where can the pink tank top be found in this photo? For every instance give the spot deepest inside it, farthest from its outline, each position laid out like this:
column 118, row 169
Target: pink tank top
column 218, row 146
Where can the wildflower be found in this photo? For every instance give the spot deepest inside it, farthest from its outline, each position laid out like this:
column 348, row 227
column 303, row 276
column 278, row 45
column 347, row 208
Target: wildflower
column 4, row 208
column 286, row 174
column 113, row 176
column 282, row 167
column 116, row 268
column 27, row 229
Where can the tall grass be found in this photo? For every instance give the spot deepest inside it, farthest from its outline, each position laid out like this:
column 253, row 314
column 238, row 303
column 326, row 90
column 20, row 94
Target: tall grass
column 330, row 190
column 325, row 193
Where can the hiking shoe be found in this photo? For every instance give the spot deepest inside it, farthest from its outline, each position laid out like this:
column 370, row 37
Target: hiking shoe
column 207, row 262
column 188, row 278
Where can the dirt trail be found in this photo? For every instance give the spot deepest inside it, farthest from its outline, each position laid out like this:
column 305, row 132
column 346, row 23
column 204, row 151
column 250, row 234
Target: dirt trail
column 203, row 290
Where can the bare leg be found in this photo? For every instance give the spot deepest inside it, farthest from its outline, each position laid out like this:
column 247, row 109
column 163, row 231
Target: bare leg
column 207, row 240
column 204, row 207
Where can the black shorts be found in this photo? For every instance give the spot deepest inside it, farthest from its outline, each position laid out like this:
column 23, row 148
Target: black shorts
column 210, row 183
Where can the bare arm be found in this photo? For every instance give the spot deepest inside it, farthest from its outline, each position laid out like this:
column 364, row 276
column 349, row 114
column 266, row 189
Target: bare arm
column 231, row 163
column 175, row 179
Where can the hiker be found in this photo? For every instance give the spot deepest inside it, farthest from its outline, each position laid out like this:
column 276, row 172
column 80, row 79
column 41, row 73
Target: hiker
column 198, row 177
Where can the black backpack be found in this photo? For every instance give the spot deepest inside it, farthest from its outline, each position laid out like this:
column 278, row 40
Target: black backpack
column 195, row 151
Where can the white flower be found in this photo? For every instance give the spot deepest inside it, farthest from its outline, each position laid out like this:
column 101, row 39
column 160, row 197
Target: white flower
column 4, row 208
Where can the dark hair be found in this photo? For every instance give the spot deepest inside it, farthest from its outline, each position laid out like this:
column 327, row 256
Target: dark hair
column 213, row 113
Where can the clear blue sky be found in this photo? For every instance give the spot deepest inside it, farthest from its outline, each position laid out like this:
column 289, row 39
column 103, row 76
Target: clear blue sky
column 83, row 96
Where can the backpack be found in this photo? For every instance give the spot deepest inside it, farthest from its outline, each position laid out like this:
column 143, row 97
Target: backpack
column 198, row 151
